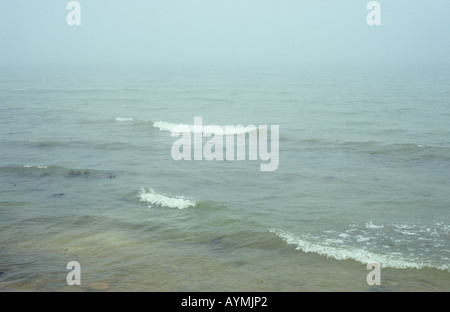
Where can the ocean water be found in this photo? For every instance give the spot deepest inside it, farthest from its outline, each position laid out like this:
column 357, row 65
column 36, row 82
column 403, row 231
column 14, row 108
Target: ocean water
column 86, row 174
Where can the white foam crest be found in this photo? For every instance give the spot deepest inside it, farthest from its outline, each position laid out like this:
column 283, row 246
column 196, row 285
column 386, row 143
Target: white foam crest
column 124, row 119
column 226, row 130
column 348, row 253
column 156, row 199
column 164, row 126
column 371, row 225
column 31, row 166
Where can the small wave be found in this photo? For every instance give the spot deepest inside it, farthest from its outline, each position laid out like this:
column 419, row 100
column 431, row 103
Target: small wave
column 229, row 130
column 308, row 245
column 124, row 119
column 49, row 144
column 40, row 171
column 156, row 199
column 31, row 166
column 411, row 151
column 164, row 126
column 371, row 225
column 114, row 145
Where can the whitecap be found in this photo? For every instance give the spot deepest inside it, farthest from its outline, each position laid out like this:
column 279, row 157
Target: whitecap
column 309, row 244
column 371, row 225
column 226, row 130
column 156, row 199
column 123, row 119
column 31, row 166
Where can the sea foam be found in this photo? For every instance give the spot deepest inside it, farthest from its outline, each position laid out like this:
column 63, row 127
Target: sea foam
column 32, row 166
column 396, row 261
column 232, row 130
column 123, row 119
column 156, row 199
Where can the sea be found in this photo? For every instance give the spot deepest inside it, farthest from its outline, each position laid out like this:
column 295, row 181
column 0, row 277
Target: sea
column 87, row 175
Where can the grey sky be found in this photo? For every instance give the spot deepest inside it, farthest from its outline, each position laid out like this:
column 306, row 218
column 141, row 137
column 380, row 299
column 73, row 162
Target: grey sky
column 222, row 32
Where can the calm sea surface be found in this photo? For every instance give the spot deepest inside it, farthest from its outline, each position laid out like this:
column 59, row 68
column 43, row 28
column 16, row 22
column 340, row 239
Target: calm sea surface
column 86, row 174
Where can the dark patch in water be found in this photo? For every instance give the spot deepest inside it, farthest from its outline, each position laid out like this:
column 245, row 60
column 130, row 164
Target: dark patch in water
column 423, row 193
column 73, row 173
column 78, row 173
column 58, row 195
column 217, row 240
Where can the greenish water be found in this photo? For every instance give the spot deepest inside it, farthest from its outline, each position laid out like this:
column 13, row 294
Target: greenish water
column 86, row 174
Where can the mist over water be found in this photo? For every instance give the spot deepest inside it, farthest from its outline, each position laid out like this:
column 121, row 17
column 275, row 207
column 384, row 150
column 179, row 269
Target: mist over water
column 204, row 33
column 87, row 174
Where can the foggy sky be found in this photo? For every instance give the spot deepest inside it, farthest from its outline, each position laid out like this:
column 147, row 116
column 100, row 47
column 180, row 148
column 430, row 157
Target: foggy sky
column 222, row 32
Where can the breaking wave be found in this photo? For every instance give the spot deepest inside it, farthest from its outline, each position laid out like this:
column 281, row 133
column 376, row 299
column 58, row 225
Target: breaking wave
column 156, row 199
column 329, row 249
